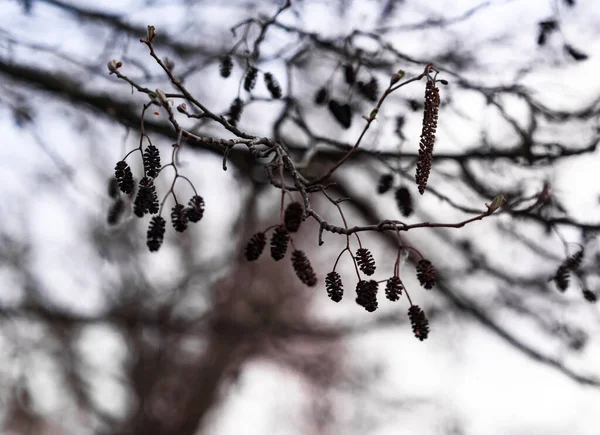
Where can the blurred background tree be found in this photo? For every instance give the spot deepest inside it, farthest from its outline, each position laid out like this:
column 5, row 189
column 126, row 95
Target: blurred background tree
column 98, row 335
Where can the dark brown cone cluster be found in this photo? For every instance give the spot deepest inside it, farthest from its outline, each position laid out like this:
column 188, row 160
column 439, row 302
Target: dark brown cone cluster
column 293, row 216
column 303, row 268
column 369, row 89
column 250, row 79
column 179, row 218
column 418, row 321
column 404, row 201
column 426, row 274
column 146, row 200
column 430, row 119
column 124, row 177
column 225, row 66
column 333, row 283
column 385, row 183
column 272, row 86
column 151, row 161
column 235, row 111
column 195, row 209
column 156, row 233
column 255, row 246
column 393, row 288
column 365, row 261
column 366, row 295
column 279, row 243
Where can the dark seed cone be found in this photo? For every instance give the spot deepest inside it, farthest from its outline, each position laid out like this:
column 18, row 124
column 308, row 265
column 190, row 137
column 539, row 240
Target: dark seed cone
column 115, row 211
column 415, row 105
column 235, row 111
column 124, row 177
column 385, row 183
column 369, row 90
column 112, row 188
column 590, row 296
column 426, row 274
column 430, row 119
column 366, row 295
column 365, row 261
column 151, row 161
column 255, row 246
column 393, row 288
column 333, row 283
column 404, row 201
column 574, row 261
column 561, row 277
column 250, row 79
column 195, row 209
column 341, row 112
column 293, row 216
column 179, row 218
column 418, row 321
column 272, row 86
column 321, row 96
column 303, row 269
column 349, row 74
column 146, row 200
column 156, row 233
column 279, row 243
column 225, row 66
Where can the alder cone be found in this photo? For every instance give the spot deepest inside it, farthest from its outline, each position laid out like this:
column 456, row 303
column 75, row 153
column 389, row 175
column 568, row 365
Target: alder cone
column 341, row 112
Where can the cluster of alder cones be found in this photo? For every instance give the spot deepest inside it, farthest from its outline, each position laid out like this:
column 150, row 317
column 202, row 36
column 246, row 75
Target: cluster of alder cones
column 366, row 290
column 146, row 199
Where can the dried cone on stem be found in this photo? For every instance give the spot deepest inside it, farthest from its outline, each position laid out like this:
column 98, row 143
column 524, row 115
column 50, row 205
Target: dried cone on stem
column 365, row 261
column 151, row 161
column 195, row 210
column 393, row 288
column 303, row 268
column 349, row 74
column 321, row 96
column 179, row 218
column 235, row 111
column 156, row 233
column 385, row 183
column 418, row 321
column 562, row 276
column 366, row 294
column 226, row 66
column 590, row 296
column 333, row 283
column 426, row 274
column 255, row 246
column 124, row 177
column 250, row 80
column 272, row 86
column 293, row 216
column 404, row 201
column 369, row 90
column 279, row 243
column 115, row 211
column 430, row 119
column 146, row 200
